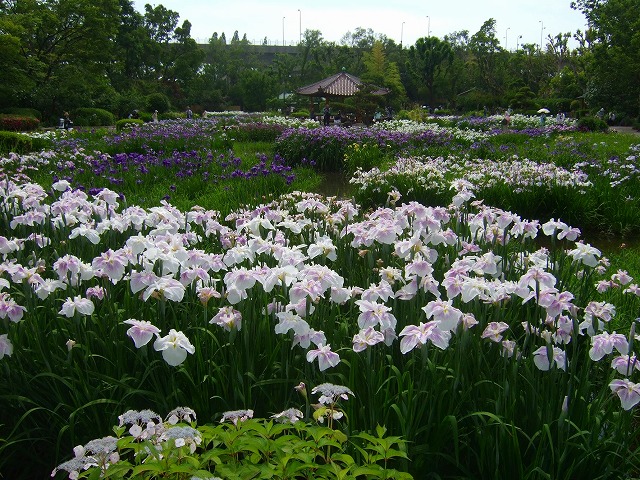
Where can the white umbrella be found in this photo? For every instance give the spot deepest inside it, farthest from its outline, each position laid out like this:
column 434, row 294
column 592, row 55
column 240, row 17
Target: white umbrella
column 544, row 110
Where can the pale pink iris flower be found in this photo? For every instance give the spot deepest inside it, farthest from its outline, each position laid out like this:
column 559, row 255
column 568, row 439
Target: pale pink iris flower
column 414, row 335
column 326, row 358
column 627, row 391
column 443, row 312
column 544, row 363
column 166, row 288
column 604, row 343
column 366, row 338
column 83, row 306
column 228, row 318
column 6, row 347
column 493, row 331
column 141, row 331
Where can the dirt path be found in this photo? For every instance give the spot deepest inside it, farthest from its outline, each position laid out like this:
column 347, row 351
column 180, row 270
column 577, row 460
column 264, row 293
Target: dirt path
column 625, row 130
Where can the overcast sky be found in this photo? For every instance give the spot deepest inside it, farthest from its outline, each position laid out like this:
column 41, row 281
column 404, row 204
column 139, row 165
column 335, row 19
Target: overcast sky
column 400, row 20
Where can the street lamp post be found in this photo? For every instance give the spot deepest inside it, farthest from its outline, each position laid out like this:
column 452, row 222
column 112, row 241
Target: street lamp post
column 541, row 30
column 300, row 26
column 506, row 38
column 428, row 26
column 401, row 33
column 283, row 31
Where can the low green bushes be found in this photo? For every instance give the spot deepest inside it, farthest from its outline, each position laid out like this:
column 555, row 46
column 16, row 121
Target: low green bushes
column 23, row 112
column 363, row 156
column 241, row 448
column 592, row 124
column 92, row 117
column 128, row 123
column 16, row 143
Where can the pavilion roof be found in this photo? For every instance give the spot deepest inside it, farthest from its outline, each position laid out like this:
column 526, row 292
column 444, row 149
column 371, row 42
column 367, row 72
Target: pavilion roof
column 341, row 84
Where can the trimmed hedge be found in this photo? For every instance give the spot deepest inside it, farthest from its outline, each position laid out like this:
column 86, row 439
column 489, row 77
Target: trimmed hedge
column 20, row 144
column 23, row 112
column 592, row 124
column 92, row 117
column 16, row 123
column 128, row 123
column 157, row 101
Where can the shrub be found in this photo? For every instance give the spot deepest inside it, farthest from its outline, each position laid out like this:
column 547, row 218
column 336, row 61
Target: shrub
column 18, row 123
column 242, row 447
column 16, row 143
column 24, row 112
column 123, row 105
column 418, row 114
column 592, row 124
column 92, row 117
column 559, row 104
column 157, row 101
column 128, row 123
column 173, row 115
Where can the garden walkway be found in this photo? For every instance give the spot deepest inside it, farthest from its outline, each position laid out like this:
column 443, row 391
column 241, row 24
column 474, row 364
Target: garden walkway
column 625, row 130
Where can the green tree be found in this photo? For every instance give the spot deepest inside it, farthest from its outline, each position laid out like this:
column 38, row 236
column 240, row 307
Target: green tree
column 614, row 66
column 380, row 72
column 459, row 80
column 310, row 48
column 14, row 81
column 132, row 41
column 485, row 47
column 428, row 59
column 257, row 86
column 66, row 48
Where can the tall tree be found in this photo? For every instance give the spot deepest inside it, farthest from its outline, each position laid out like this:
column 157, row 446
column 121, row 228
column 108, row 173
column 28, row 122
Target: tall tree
column 428, row 59
column 485, row 47
column 379, row 71
column 310, row 59
column 614, row 68
column 66, row 48
column 172, row 57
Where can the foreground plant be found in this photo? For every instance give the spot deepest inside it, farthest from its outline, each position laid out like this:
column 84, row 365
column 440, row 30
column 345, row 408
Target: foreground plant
column 148, row 447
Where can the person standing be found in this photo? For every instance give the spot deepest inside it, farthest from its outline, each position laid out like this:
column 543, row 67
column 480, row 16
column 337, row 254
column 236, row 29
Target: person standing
column 154, row 116
column 326, row 115
column 189, row 113
column 543, row 119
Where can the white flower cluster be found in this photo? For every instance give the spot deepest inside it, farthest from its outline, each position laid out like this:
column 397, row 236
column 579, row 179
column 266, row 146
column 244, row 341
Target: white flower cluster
column 437, row 173
column 290, row 122
column 411, row 127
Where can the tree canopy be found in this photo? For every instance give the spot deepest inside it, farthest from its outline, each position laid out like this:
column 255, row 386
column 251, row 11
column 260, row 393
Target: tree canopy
column 61, row 54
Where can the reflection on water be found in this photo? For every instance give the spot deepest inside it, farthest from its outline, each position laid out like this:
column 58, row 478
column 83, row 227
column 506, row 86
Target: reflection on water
column 335, row 184
column 609, row 243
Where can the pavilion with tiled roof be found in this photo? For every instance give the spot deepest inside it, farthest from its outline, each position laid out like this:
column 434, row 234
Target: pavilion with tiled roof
column 341, row 84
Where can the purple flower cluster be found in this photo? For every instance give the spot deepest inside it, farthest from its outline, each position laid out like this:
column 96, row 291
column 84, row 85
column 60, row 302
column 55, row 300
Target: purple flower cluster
column 326, row 146
column 152, row 135
column 102, row 170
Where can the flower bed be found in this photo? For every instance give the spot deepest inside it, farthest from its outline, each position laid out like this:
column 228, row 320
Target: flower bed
column 446, row 324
